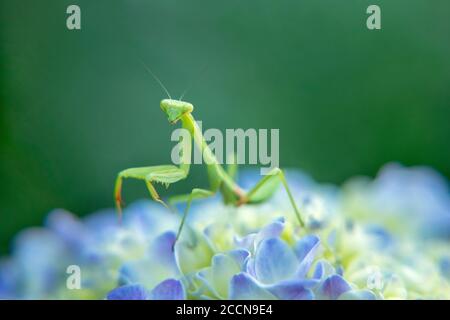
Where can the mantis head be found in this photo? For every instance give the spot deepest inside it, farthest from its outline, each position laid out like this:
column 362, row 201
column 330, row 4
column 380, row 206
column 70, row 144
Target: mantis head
column 175, row 109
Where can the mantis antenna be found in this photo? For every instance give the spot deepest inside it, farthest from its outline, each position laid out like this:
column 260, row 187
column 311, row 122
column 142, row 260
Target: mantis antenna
column 156, row 78
column 202, row 72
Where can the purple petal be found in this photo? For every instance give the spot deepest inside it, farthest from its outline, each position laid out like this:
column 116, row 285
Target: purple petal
column 243, row 287
column 274, row 261
column 333, row 287
column 169, row 289
column 128, row 292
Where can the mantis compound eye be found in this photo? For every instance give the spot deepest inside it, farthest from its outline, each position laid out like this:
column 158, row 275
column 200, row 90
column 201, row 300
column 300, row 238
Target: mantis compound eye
column 174, row 109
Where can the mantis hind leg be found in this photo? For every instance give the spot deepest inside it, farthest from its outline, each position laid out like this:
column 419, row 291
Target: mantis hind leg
column 265, row 188
column 194, row 195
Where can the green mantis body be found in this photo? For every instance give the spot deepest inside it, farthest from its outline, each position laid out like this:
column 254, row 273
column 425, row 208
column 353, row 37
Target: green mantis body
column 220, row 180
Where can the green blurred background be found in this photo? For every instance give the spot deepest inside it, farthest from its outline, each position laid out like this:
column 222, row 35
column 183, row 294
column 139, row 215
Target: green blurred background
column 77, row 106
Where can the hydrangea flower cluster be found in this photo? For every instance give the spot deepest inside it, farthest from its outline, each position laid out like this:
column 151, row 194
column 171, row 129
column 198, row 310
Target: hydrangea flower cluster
column 386, row 238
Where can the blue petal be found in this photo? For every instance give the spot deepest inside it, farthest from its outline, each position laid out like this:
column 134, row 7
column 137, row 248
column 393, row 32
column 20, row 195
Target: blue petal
column 68, row 227
column 240, row 256
column 323, row 269
column 245, row 242
column 274, row 261
column 101, row 220
column 157, row 265
column 250, row 267
column 41, row 257
column 293, row 289
column 305, row 250
column 169, row 289
column 128, row 292
column 333, row 287
column 340, row 270
column 9, row 276
column 318, row 272
column 272, row 230
column 149, row 218
column 242, row 287
column 102, row 226
column 305, row 245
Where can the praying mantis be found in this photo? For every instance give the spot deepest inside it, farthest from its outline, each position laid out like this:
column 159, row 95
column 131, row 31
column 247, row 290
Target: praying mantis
column 220, row 180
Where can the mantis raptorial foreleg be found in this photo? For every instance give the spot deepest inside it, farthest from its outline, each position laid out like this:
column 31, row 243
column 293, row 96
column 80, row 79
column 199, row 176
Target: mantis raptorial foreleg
column 165, row 174
column 265, row 187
